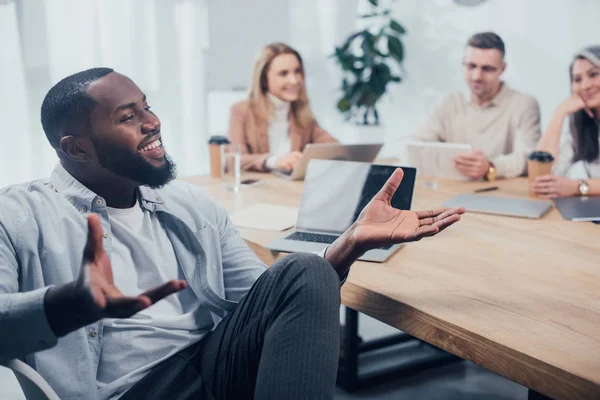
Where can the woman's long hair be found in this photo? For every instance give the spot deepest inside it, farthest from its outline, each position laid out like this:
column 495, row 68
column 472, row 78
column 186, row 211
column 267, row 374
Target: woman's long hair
column 583, row 128
column 259, row 102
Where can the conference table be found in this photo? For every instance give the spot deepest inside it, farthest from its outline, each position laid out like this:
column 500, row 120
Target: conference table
column 519, row 297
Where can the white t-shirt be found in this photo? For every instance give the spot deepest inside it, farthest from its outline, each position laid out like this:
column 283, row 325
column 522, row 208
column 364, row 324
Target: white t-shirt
column 143, row 258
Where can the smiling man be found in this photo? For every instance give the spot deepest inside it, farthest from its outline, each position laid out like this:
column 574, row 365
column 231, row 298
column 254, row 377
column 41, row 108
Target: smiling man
column 501, row 124
column 118, row 282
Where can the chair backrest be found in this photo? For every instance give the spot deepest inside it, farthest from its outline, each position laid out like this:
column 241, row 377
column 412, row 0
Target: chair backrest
column 33, row 385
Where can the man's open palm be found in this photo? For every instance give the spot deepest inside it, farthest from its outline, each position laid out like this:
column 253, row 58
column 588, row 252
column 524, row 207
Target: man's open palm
column 97, row 283
column 379, row 224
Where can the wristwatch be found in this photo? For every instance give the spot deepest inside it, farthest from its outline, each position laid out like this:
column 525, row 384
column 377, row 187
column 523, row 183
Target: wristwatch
column 584, row 188
column 491, row 173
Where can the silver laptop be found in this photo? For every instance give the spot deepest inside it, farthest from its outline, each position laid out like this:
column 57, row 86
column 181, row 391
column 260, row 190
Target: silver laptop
column 510, row 207
column 579, row 208
column 331, row 151
column 335, row 192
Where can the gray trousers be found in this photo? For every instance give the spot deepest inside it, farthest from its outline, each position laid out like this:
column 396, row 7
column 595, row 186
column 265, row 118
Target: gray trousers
column 281, row 342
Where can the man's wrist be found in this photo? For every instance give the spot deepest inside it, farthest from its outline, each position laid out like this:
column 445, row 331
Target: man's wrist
column 342, row 253
column 67, row 309
column 490, row 173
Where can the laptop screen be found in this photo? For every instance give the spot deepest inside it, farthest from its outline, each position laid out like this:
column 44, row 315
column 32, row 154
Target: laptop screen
column 335, row 192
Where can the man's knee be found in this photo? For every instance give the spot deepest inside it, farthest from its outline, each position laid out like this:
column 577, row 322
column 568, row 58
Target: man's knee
column 309, row 269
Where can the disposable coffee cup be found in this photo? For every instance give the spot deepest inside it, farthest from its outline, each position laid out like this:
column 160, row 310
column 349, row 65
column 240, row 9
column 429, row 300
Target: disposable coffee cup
column 538, row 163
column 215, row 151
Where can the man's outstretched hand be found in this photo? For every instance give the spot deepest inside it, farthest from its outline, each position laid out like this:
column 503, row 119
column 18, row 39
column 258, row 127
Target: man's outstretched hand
column 379, row 224
column 93, row 295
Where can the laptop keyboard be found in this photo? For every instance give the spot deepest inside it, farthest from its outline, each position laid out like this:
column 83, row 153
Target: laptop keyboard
column 317, row 238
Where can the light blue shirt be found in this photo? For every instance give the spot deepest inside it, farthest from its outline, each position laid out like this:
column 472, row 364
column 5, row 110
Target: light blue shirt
column 143, row 258
column 43, row 230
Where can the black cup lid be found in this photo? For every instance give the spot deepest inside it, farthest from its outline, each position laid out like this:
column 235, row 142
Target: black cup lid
column 542, row 156
column 218, row 140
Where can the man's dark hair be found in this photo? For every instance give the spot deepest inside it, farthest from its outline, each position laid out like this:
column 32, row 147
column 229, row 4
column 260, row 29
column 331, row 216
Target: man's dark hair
column 487, row 40
column 68, row 103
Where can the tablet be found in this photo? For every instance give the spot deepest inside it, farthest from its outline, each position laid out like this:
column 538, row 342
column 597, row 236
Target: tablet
column 435, row 158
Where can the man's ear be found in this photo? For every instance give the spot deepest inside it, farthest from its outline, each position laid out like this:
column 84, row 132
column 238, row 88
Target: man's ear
column 75, row 148
column 502, row 68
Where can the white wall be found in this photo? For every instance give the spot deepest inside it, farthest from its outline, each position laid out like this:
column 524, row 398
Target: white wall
column 238, row 29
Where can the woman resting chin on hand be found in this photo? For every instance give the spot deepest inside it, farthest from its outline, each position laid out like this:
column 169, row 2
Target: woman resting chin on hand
column 581, row 143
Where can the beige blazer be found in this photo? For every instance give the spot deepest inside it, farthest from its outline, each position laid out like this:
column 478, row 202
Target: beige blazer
column 253, row 135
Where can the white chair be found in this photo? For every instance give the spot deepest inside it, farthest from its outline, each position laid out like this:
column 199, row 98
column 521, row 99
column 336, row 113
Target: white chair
column 33, row 385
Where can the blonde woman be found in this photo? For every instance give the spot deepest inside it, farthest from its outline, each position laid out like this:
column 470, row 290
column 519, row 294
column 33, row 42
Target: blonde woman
column 576, row 149
column 275, row 123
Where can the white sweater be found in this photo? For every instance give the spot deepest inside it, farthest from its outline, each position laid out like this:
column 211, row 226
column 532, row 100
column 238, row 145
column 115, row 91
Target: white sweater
column 279, row 131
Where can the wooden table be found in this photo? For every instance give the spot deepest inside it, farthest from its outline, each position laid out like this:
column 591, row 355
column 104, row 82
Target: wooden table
column 518, row 297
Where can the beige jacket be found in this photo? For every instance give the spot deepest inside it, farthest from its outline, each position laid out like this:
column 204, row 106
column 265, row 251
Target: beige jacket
column 253, row 135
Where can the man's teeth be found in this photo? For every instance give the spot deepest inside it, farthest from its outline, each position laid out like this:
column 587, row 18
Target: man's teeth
column 152, row 145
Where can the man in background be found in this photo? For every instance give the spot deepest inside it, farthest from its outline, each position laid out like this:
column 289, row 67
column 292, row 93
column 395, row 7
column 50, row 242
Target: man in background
column 501, row 124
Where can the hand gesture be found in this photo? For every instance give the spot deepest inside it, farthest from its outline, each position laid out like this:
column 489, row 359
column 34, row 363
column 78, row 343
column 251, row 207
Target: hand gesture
column 97, row 287
column 379, row 224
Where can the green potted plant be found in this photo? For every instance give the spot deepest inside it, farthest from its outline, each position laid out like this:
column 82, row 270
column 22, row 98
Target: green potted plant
column 370, row 59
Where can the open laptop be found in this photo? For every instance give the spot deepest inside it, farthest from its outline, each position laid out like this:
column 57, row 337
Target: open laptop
column 436, row 158
column 506, row 206
column 579, row 208
column 331, row 151
column 335, row 192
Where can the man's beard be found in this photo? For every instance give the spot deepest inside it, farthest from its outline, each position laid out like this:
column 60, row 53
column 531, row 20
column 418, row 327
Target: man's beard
column 134, row 166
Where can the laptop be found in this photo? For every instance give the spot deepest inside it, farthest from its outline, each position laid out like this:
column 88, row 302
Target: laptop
column 579, row 208
column 510, row 207
column 335, row 192
column 331, row 151
column 435, row 158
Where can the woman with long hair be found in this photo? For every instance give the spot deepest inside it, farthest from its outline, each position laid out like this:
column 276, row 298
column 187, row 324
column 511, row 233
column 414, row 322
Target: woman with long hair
column 576, row 170
column 275, row 123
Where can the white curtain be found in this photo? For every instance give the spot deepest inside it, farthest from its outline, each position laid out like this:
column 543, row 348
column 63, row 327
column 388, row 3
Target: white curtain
column 160, row 44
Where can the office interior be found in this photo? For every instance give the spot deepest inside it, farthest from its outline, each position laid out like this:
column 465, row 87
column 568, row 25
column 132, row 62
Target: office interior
column 193, row 59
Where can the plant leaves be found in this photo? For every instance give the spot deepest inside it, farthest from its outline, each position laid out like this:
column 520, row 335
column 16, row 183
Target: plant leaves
column 395, row 48
column 368, row 48
column 358, row 91
column 395, row 25
column 380, row 76
column 344, row 105
column 374, row 2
